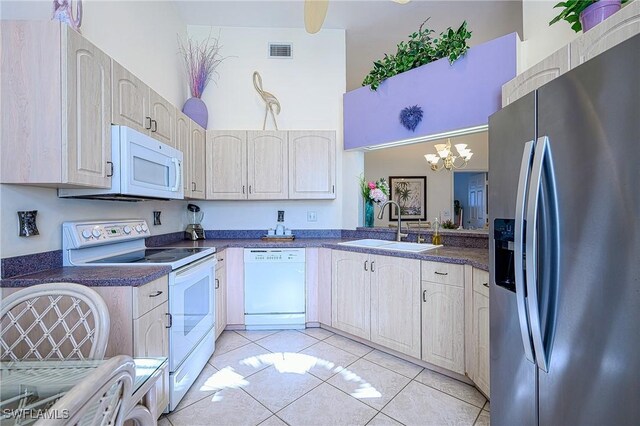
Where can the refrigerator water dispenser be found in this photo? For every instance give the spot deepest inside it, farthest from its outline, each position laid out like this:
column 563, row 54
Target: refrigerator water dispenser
column 503, row 233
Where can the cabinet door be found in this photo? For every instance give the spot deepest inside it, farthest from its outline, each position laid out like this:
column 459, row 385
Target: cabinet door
column 129, row 100
column 221, row 297
column 480, row 329
column 619, row 27
column 87, row 99
column 395, row 303
column 312, row 164
column 197, row 161
column 150, row 333
column 541, row 73
column 481, row 340
column 267, row 174
column 163, row 116
column 183, row 137
column 226, row 165
column 351, row 291
column 443, row 325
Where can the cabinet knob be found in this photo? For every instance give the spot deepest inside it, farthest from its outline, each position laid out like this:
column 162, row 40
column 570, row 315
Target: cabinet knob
column 441, row 273
column 486, row 285
column 155, row 126
column 365, row 265
column 110, row 172
column 424, row 295
column 156, row 294
column 217, row 283
column 373, row 269
column 170, row 320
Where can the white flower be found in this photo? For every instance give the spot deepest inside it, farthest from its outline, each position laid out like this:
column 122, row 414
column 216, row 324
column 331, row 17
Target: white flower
column 377, row 195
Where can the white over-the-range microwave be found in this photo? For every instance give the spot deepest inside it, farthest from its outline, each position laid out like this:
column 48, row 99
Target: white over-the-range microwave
column 143, row 168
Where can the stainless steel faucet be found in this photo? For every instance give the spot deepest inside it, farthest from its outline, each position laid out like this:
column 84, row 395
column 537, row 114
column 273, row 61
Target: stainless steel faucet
column 399, row 235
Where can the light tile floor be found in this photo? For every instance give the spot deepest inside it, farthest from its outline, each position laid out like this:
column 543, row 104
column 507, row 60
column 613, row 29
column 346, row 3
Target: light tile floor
column 315, row 377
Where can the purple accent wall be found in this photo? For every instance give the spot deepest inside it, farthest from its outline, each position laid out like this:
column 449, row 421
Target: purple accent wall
column 452, row 97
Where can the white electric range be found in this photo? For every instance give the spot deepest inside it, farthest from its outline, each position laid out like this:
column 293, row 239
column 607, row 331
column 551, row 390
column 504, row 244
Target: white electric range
column 191, row 316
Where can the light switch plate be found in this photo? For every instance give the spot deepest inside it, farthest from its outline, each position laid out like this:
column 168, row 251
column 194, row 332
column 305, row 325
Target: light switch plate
column 312, row 216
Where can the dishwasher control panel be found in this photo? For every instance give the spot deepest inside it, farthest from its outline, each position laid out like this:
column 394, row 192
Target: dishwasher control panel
column 274, row 255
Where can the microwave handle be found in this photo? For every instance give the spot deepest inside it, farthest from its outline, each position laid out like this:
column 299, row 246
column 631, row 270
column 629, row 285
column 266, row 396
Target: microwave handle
column 176, row 188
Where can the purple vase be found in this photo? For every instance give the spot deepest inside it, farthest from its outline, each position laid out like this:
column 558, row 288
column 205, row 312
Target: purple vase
column 196, row 110
column 598, row 12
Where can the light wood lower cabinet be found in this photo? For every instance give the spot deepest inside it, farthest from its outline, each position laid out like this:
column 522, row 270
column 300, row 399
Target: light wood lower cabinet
column 221, row 294
column 479, row 367
column 377, row 298
column 139, row 320
column 234, row 259
column 395, row 304
column 443, row 325
column 351, row 293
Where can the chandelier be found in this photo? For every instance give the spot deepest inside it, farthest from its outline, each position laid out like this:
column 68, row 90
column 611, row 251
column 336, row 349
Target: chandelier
column 448, row 158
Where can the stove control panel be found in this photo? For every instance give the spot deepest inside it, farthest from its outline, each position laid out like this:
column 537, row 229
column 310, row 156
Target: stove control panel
column 83, row 234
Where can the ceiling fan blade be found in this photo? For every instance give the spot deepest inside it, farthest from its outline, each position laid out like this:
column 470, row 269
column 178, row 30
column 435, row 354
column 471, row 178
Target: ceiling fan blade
column 401, row 1
column 314, row 13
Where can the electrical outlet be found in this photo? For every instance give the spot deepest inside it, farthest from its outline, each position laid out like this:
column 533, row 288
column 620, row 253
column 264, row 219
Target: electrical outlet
column 312, row 216
column 280, row 215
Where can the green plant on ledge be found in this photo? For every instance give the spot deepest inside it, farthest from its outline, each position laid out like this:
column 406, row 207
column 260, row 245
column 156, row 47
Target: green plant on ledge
column 572, row 10
column 448, row 224
column 420, row 49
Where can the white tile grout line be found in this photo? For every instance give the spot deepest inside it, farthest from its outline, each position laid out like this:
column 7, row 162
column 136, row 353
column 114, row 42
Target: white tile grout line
column 452, row 396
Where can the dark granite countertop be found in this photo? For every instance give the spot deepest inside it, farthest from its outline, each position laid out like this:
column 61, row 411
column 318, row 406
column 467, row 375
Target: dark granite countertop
column 93, row 276
column 476, row 257
column 114, row 276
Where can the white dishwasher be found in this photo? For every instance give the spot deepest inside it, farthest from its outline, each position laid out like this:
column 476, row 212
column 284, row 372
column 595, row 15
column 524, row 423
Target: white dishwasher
column 274, row 288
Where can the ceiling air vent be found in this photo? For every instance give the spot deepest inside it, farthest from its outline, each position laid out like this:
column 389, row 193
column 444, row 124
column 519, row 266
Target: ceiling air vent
column 280, row 50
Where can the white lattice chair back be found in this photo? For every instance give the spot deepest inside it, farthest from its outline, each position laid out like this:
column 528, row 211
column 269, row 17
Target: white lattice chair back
column 53, row 321
column 101, row 398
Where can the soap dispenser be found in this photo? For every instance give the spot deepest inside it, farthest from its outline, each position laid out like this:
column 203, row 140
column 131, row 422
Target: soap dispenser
column 436, row 240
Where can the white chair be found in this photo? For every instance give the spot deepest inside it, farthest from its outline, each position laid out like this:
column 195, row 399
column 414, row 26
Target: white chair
column 101, row 398
column 53, row 321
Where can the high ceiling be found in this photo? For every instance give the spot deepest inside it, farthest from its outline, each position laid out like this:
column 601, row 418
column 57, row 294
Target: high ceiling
column 372, row 27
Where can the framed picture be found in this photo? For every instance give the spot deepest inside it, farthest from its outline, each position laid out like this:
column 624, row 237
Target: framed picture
column 410, row 192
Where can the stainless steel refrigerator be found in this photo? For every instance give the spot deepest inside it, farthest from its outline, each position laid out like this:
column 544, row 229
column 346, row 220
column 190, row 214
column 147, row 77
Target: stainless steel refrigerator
column 564, row 209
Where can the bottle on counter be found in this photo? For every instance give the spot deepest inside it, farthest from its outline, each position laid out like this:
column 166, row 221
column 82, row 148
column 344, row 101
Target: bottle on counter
column 436, row 239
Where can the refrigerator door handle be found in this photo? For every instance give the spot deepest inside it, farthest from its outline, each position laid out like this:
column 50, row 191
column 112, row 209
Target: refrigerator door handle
column 518, row 243
column 535, row 186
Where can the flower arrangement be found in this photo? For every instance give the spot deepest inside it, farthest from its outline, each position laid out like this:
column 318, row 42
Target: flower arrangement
column 377, row 191
column 201, row 59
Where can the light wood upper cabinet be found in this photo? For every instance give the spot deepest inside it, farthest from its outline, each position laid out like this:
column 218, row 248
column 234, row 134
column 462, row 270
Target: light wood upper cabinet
column 226, row 161
column 480, row 369
column 619, row 27
column 395, row 303
column 312, row 168
column 137, row 106
column 267, row 153
column 163, row 119
column 130, row 99
column 543, row 72
column 88, row 104
column 197, row 167
column 56, row 107
column 351, row 297
column 183, row 143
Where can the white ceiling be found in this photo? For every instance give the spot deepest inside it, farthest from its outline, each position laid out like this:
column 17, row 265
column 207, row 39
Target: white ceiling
column 372, row 27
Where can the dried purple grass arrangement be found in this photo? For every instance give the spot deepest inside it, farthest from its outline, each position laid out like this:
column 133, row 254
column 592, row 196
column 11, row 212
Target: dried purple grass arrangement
column 201, row 59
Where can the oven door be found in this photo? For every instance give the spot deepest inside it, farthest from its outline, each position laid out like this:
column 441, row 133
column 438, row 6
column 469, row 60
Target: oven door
column 191, row 305
column 149, row 168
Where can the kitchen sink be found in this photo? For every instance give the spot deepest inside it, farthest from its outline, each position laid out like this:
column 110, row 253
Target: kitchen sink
column 391, row 245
